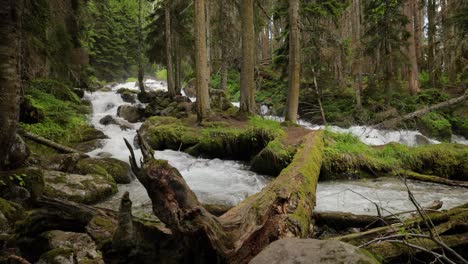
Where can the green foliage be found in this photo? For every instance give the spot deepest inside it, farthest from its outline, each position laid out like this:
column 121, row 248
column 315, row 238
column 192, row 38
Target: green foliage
column 161, row 74
column 431, row 96
column 64, row 120
column 436, row 126
column 233, row 84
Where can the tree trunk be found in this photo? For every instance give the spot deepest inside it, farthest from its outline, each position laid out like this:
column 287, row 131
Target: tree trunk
column 431, row 32
column 282, row 209
column 223, row 15
column 177, row 70
column 48, row 143
column 247, row 90
column 141, row 70
column 10, row 86
column 294, row 62
column 169, row 50
column 208, row 35
column 413, row 73
column 201, row 61
column 420, row 112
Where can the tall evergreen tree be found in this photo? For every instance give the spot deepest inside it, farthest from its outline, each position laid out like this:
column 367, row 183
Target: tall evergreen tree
column 201, row 61
column 247, row 83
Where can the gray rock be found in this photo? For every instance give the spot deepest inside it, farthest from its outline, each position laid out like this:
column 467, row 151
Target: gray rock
column 18, row 154
column 128, row 97
column 118, row 169
column 130, row 113
column 109, row 106
column 302, row 251
column 69, row 247
column 87, row 189
column 90, row 145
column 422, row 140
column 110, row 120
column 60, row 162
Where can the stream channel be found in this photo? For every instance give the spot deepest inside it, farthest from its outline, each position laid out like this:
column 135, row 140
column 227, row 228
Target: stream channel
column 227, row 182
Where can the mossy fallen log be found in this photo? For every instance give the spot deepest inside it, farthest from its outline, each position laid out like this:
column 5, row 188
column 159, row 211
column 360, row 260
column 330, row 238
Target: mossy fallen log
column 341, row 221
column 281, row 209
column 429, row 178
column 44, row 141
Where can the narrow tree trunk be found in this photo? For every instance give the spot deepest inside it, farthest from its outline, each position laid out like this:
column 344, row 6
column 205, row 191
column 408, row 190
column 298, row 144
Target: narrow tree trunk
column 294, row 62
column 223, row 16
column 319, row 98
column 141, row 70
column 48, row 143
column 208, row 35
column 201, row 61
column 431, row 32
column 10, row 85
column 247, row 90
column 177, row 71
column 169, row 50
column 413, row 71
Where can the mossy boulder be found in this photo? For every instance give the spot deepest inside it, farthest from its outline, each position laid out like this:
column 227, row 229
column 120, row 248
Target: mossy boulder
column 10, row 213
column 459, row 121
column 87, row 189
column 436, row 126
column 272, row 159
column 219, row 100
column 128, row 97
column 59, row 162
column 69, row 247
column 130, row 113
column 27, row 178
column 118, row 169
column 302, row 251
column 29, row 113
column 168, row 133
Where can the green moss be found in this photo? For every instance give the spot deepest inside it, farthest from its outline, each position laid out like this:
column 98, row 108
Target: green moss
column 346, row 156
column 436, row 126
column 13, row 212
column 273, row 158
column 51, row 256
column 118, row 169
column 58, row 89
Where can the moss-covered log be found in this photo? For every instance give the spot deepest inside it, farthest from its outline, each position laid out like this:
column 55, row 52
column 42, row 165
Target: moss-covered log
column 429, row 178
column 341, row 221
column 281, row 209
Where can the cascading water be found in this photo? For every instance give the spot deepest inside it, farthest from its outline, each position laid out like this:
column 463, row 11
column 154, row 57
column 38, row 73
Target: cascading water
column 229, row 182
column 214, row 181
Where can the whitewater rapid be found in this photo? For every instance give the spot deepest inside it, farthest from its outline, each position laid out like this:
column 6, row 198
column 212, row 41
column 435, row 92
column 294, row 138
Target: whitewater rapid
column 229, row 182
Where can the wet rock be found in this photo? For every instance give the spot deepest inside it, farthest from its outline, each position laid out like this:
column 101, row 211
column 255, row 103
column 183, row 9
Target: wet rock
column 110, row 120
column 182, row 99
column 87, row 189
column 88, row 146
column 91, row 133
column 109, row 106
column 104, row 155
column 21, row 184
column 130, row 113
column 422, row 140
column 190, row 90
column 299, row 251
column 167, row 111
column 10, row 212
column 78, row 91
column 69, row 247
column 185, row 106
column 128, row 97
column 118, row 169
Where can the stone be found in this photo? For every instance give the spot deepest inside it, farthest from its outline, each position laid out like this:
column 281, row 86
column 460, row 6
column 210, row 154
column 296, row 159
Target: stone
column 60, row 162
column 30, row 114
column 87, row 189
column 119, row 170
column 185, row 106
column 88, row 146
column 109, row 106
column 422, row 140
column 110, row 120
column 128, row 97
column 69, row 247
column 130, row 113
column 302, row 251
column 19, row 153
column 104, row 155
column 219, row 100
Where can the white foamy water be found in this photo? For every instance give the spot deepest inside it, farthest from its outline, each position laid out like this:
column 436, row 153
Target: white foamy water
column 389, row 193
column 375, row 137
column 213, row 181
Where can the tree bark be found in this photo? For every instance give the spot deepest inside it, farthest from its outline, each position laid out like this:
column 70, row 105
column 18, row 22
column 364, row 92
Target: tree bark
column 294, row 62
column 141, row 70
column 201, row 61
column 169, row 50
column 420, row 112
column 247, row 83
column 431, row 48
column 10, row 86
column 413, row 73
column 49, row 143
column 281, row 209
column 223, row 16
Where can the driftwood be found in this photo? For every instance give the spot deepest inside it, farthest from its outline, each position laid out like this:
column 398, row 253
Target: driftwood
column 281, row 209
column 342, row 221
column 420, row 112
column 47, row 142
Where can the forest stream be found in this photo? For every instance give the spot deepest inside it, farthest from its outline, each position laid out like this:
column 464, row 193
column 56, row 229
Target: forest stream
column 228, row 182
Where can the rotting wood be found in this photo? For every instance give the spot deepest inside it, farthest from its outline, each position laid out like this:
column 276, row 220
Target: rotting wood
column 420, row 112
column 49, row 143
column 282, row 209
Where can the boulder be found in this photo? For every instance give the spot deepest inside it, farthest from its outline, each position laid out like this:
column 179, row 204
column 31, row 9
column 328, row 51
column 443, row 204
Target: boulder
column 30, row 114
column 128, row 97
column 59, row 162
column 219, row 100
column 69, row 247
column 9, row 213
column 109, row 106
column 87, row 189
column 130, row 113
column 110, row 120
column 21, row 184
column 302, row 251
column 19, row 152
column 118, row 169
column 88, row 146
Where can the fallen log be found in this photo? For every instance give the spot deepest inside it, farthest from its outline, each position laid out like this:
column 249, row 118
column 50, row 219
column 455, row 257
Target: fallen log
column 49, row 143
column 342, row 221
column 282, row 209
column 429, row 178
column 392, row 122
